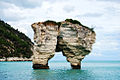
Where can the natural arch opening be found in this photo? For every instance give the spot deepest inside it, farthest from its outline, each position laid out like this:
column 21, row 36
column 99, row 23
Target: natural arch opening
column 58, row 62
column 68, row 51
column 59, row 57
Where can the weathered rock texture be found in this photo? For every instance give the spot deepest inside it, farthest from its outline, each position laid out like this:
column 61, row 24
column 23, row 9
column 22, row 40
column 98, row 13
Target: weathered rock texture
column 71, row 37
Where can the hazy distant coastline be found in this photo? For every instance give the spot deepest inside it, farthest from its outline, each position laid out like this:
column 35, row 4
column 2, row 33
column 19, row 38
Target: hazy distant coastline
column 16, row 59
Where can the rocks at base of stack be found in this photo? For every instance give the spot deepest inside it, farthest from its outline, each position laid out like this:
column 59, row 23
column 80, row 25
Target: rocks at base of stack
column 73, row 39
column 40, row 66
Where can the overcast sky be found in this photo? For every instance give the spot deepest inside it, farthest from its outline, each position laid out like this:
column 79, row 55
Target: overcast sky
column 103, row 15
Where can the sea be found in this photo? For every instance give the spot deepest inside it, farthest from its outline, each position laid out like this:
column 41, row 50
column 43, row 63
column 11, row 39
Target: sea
column 61, row 70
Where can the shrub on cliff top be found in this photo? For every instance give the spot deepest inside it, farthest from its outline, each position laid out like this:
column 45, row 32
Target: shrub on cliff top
column 73, row 21
column 50, row 22
column 77, row 22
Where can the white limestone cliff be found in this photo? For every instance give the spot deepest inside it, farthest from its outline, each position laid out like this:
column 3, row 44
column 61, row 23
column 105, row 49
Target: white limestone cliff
column 70, row 36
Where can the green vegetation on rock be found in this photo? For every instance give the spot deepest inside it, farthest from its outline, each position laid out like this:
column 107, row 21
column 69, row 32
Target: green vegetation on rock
column 73, row 21
column 67, row 20
column 77, row 22
column 49, row 21
column 52, row 22
column 13, row 43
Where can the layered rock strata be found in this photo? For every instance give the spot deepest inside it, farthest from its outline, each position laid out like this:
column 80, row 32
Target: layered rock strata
column 73, row 39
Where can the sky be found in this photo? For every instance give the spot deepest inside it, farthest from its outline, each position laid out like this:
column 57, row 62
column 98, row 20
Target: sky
column 102, row 15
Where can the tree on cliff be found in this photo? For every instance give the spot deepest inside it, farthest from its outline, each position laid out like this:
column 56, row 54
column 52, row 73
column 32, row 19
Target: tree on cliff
column 13, row 43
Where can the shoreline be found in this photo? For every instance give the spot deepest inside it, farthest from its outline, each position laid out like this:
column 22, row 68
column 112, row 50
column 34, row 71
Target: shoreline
column 15, row 59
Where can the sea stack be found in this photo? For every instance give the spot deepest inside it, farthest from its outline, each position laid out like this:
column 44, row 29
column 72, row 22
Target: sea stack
column 70, row 36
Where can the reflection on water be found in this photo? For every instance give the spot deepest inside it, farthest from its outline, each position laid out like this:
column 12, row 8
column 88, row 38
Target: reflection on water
column 60, row 71
column 62, row 74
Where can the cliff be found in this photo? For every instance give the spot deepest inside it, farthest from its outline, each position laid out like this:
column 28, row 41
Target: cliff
column 70, row 36
column 13, row 43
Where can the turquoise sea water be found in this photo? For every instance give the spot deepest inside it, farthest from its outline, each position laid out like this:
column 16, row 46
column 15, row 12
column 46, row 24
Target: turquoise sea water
column 91, row 70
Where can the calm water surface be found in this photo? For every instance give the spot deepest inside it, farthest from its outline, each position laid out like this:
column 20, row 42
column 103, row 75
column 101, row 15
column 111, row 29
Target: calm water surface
column 91, row 70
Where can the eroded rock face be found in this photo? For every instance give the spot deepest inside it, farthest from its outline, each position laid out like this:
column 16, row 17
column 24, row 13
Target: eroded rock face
column 74, row 40
column 45, row 36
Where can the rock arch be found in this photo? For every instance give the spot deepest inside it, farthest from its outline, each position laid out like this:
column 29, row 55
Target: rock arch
column 72, row 38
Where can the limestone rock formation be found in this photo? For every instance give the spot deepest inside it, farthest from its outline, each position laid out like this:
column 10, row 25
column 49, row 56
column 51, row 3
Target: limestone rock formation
column 70, row 36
